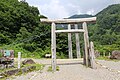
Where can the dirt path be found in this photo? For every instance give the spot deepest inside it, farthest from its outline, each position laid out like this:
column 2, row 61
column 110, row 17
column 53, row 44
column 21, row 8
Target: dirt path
column 74, row 70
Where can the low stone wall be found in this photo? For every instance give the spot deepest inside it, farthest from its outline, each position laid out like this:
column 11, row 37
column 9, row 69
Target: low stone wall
column 17, row 71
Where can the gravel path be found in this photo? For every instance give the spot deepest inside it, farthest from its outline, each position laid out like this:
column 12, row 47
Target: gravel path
column 74, row 70
column 111, row 64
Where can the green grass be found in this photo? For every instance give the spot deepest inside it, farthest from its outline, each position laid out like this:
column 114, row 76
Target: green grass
column 38, row 67
column 50, row 68
column 107, row 59
column 103, row 58
column 6, row 69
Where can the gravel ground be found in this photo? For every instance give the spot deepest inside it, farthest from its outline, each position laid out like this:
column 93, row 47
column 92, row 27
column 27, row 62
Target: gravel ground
column 74, row 70
column 111, row 64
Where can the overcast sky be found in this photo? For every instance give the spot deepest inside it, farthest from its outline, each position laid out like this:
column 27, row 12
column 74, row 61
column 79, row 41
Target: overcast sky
column 64, row 8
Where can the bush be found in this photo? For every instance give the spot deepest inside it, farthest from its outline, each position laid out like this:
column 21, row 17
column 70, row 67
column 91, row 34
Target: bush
column 4, row 39
column 29, row 47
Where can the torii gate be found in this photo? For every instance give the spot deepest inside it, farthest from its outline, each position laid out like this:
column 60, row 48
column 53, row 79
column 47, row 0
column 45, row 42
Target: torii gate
column 89, row 48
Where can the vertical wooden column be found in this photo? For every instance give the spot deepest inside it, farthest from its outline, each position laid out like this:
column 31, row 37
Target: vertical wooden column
column 109, row 54
column 103, row 54
column 77, row 43
column 53, row 46
column 69, row 43
column 86, row 41
column 92, row 56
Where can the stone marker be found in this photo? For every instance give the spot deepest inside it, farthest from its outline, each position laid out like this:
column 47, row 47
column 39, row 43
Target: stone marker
column 115, row 55
column 28, row 61
column 19, row 59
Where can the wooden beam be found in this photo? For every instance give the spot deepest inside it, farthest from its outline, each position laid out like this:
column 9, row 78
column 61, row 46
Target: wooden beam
column 78, row 20
column 69, row 43
column 70, row 31
column 53, row 47
column 86, row 44
column 77, row 42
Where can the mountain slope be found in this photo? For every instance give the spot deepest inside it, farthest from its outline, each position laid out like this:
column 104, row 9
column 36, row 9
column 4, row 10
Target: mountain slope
column 80, row 16
column 106, row 32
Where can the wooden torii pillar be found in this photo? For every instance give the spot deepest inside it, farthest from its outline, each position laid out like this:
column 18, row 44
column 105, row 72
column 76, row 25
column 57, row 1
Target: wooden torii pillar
column 69, row 43
column 69, row 31
column 77, row 43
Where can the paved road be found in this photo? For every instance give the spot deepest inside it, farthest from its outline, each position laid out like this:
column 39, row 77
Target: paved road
column 74, row 70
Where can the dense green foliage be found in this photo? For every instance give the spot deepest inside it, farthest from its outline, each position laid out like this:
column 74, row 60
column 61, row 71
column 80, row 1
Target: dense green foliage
column 106, row 32
column 21, row 30
column 15, row 15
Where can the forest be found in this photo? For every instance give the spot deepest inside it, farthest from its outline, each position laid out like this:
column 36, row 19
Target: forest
column 22, row 31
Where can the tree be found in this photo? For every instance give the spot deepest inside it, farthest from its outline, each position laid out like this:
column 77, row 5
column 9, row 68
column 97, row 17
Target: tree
column 107, row 28
column 15, row 15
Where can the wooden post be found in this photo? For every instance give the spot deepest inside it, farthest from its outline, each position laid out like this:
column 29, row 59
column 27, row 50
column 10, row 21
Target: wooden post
column 109, row 54
column 103, row 54
column 70, row 43
column 19, row 59
column 92, row 56
column 77, row 43
column 86, row 41
column 53, row 47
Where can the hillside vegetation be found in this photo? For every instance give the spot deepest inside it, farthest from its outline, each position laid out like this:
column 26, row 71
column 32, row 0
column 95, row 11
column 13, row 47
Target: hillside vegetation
column 106, row 32
column 22, row 31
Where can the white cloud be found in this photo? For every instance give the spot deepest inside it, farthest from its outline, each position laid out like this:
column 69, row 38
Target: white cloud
column 90, row 12
column 71, row 5
column 55, row 9
column 65, row 8
column 79, row 12
column 117, row 1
